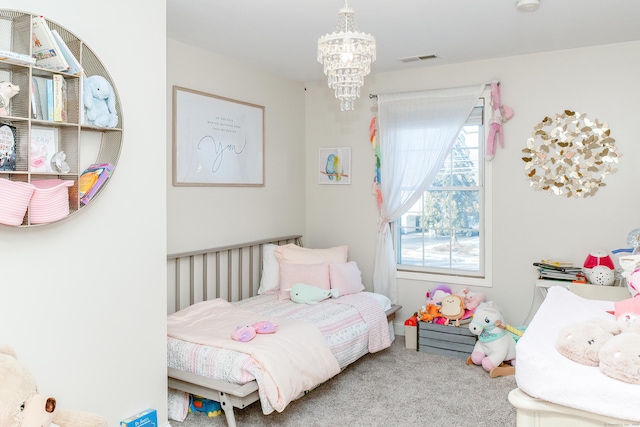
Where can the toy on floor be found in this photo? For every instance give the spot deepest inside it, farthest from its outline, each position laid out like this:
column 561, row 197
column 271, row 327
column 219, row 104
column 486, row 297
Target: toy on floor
column 495, row 349
column 22, row 406
column 202, row 404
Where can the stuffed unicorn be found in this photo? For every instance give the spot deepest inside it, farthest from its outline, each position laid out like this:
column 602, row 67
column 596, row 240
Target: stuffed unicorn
column 495, row 344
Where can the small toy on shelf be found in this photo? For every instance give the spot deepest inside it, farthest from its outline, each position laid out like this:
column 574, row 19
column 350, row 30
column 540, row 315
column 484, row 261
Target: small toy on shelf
column 7, row 91
column 202, row 404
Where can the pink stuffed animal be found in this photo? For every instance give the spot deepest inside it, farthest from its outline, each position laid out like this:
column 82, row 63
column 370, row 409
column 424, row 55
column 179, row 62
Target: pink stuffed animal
column 471, row 299
column 500, row 114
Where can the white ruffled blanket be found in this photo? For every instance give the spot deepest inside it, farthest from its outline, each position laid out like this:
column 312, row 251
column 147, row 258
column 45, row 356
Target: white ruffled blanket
column 292, row 360
column 544, row 373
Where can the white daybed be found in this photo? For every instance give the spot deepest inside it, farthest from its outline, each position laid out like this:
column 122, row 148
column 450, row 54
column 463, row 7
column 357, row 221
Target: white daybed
column 555, row 391
column 233, row 273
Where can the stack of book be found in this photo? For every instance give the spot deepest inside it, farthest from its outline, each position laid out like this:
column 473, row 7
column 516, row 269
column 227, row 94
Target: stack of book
column 556, row 270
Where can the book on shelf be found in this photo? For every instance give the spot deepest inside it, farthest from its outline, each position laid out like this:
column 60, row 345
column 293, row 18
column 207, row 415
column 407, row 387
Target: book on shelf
column 74, row 65
column 45, row 49
column 59, row 98
column 568, row 268
column 49, row 100
column 44, row 145
column 92, row 179
column 39, row 98
column 18, row 58
column 8, row 136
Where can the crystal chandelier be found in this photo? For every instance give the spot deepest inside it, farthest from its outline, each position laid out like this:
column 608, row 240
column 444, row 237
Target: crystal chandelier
column 347, row 55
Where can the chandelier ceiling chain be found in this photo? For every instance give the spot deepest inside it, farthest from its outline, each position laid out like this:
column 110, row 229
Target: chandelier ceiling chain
column 347, row 55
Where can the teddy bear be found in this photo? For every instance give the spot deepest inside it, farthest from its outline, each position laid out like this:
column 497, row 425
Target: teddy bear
column 99, row 101
column 22, row 406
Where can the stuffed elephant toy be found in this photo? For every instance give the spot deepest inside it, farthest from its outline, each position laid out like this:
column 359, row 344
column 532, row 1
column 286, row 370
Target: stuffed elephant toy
column 99, row 102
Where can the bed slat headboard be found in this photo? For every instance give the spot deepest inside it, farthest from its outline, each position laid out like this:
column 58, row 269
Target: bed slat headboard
column 230, row 272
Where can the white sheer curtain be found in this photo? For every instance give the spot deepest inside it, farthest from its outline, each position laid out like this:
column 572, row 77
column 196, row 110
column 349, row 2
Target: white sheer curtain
column 416, row 131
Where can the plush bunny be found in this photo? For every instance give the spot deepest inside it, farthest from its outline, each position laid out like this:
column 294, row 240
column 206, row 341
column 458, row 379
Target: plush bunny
column 99, row 102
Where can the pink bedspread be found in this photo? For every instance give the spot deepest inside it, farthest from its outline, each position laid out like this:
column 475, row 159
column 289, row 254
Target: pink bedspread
column 343, row 326
column 292, row 360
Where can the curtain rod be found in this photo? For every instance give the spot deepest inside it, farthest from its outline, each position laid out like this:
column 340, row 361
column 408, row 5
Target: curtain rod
column 373, row 95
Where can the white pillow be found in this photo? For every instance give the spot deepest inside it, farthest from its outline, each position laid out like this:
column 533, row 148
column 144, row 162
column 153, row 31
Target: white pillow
column 270, row 280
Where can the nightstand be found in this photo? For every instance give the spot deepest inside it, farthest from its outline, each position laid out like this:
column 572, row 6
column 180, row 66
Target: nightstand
column 586, row 290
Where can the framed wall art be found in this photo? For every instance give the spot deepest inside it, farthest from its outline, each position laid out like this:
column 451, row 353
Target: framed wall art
column 334, row 166
column 216, row 141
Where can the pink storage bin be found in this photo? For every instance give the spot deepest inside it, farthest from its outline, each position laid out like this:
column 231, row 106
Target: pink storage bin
column 14, row 200
column 50, row 200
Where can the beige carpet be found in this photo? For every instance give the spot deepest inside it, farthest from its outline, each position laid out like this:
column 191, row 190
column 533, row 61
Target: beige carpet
column 396, row 387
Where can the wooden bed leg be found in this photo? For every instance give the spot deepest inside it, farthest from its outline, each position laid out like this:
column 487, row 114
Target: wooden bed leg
column 227, row 407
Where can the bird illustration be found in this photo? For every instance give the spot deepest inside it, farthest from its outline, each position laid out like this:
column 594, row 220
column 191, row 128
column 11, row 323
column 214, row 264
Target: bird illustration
column 337, row 167
column 330, row 168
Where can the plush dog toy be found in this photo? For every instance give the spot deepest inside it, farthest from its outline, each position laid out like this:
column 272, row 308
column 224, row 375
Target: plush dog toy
column 99, row 102
column 7, row 91
column 22, row 406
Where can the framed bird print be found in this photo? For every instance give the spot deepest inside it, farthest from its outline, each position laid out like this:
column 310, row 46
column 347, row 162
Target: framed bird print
column 334, row 166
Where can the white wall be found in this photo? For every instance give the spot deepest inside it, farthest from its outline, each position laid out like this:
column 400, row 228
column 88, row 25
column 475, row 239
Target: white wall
column 83, row 300
column 206, row 217
column 527, row 225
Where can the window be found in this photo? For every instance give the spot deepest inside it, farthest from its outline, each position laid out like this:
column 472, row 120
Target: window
column 445, row 231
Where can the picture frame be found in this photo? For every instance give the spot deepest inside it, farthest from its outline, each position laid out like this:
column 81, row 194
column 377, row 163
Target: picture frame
column 217, row 141
column 334, row 166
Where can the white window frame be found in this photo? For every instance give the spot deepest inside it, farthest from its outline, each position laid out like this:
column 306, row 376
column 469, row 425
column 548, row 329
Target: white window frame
column 406, row 272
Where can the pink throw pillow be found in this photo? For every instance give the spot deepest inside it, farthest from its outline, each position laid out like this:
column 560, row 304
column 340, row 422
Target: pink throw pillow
column 310, row 274
column 346, row 277
column 298, row 255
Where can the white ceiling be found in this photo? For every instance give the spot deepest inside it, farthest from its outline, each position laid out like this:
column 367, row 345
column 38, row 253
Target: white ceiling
column 281, row 36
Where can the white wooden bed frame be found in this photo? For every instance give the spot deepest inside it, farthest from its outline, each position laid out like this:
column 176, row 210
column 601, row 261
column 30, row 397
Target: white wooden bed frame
column 532, row 412
column 230, row 272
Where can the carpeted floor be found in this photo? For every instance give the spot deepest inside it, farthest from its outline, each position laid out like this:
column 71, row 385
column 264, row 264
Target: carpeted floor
column 395, row 387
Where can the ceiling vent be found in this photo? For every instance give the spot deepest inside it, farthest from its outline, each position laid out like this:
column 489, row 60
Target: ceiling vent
column 418, row 58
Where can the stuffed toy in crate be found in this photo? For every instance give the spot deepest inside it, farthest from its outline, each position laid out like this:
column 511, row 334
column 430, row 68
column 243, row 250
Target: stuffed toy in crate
column 22, row 406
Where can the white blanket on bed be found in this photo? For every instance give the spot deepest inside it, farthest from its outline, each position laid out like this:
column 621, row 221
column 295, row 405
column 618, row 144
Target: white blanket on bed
column 294, row 359
column 544, row 373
